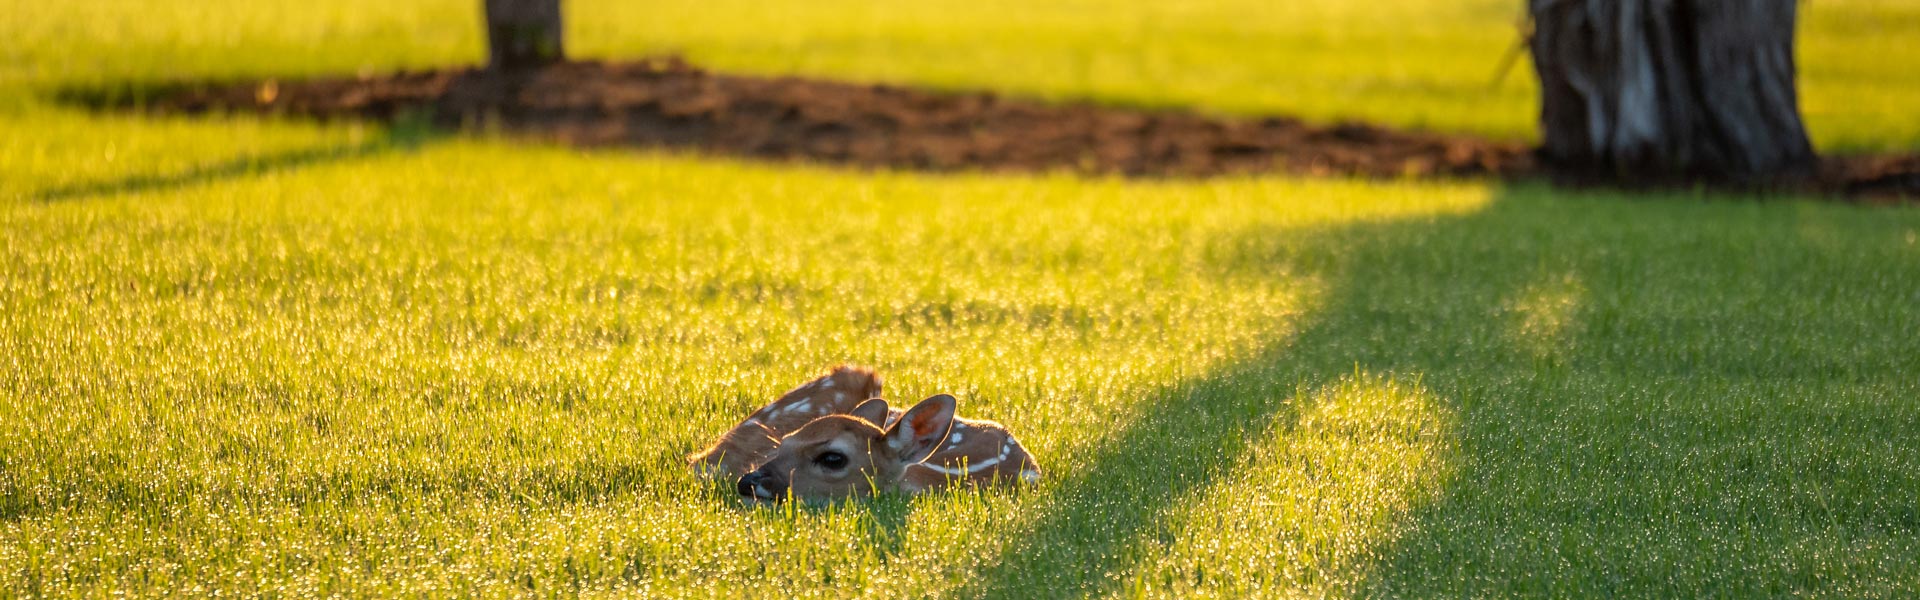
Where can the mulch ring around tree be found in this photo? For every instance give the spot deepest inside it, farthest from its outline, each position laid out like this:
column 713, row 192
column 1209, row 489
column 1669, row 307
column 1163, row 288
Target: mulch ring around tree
column 665, row 102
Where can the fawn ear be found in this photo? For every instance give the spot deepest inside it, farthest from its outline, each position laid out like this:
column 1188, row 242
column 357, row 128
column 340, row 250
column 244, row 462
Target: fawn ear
column 919, row 432
column 872, row 411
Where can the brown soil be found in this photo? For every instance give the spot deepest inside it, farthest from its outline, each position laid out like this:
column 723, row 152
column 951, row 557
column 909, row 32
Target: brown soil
column 666, row 103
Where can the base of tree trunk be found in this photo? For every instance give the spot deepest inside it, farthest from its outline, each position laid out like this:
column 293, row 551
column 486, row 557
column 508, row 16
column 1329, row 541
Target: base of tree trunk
column 523, row 34
column 1670, row 88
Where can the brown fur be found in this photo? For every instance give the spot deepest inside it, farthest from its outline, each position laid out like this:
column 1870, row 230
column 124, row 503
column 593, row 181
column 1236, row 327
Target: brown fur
column 870, row 462
column 985, row 453
column 924, row 449
column 752, row 441
column 780, row 443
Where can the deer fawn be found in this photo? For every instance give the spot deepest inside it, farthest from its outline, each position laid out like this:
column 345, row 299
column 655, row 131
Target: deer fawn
column 815, row 443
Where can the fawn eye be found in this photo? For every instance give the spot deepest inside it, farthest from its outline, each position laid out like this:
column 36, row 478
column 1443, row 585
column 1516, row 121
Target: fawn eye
column 831, row 460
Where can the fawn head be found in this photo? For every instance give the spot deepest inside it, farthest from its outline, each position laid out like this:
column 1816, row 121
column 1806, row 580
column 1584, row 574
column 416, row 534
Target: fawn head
column 853, row 454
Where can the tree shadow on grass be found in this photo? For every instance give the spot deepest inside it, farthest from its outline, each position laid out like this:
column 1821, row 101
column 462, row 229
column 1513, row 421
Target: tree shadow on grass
column 1386, row 282
column 403, row 136
column 1599, row 408
column 1660, row 411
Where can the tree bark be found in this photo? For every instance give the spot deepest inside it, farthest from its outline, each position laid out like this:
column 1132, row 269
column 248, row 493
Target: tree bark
column 523, row 33
column 1669, row 88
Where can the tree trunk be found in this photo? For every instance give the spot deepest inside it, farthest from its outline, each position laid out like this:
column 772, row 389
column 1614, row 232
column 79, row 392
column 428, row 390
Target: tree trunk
column 523, row 33
column 1669, row 88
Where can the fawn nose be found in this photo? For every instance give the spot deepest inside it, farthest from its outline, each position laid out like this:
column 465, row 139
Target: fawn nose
column 761, row 485
column 747, row 484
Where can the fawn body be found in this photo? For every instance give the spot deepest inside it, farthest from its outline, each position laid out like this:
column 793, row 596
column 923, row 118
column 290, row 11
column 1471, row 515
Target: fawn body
column 833, row 437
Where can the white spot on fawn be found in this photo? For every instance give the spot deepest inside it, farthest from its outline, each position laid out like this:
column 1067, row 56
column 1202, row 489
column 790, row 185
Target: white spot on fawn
column 955, row 438
column 1030, row 476
column 971, row 467
column 826, row 383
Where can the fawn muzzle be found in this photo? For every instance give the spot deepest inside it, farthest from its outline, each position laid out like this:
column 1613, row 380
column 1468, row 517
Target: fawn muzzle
column 761, row 485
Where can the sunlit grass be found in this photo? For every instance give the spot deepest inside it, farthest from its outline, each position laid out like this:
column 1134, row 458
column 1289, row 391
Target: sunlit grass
column 1323, row 493
column 242, row 355
column 1546, row 315
column 462, row 366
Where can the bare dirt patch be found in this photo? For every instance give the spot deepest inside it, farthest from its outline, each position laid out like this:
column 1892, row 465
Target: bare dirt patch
column 667, row 103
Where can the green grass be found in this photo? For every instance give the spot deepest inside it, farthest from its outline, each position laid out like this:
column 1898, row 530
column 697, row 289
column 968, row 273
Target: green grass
column 242, row 355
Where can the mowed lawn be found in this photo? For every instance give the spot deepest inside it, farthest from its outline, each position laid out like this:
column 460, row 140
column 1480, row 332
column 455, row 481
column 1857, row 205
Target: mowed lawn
column 244, row 355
